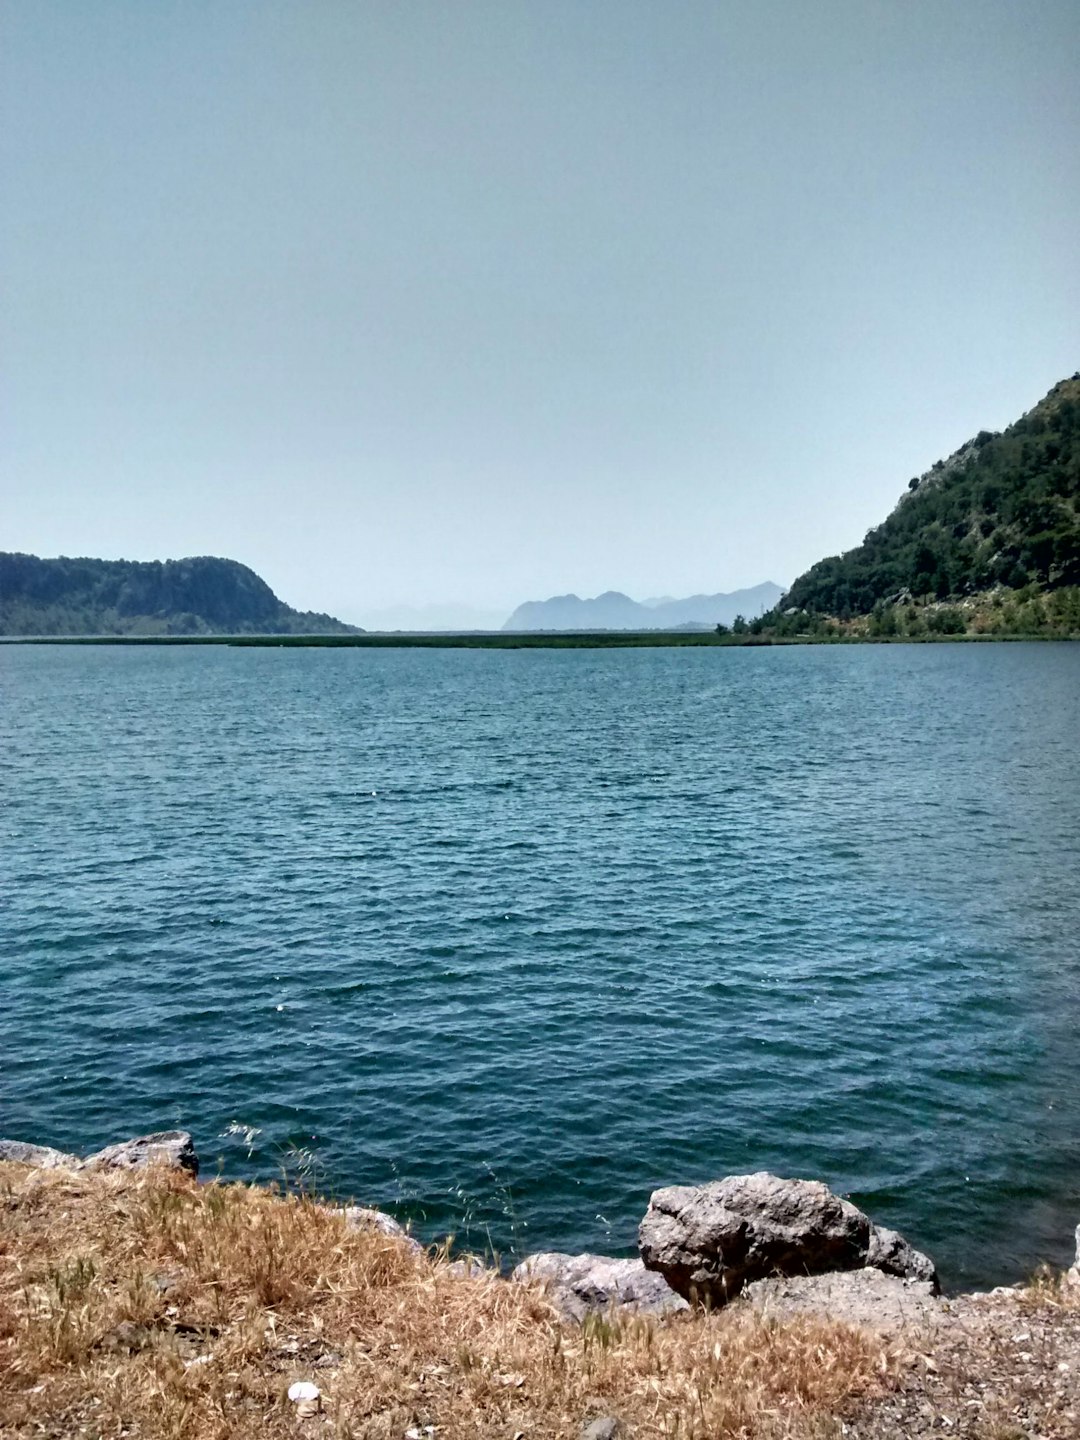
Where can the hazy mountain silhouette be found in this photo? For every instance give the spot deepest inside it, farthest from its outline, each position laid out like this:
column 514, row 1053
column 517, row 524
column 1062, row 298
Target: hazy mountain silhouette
column 615, row 611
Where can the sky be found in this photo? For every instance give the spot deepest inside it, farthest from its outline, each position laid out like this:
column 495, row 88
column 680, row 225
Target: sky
column 420, row 304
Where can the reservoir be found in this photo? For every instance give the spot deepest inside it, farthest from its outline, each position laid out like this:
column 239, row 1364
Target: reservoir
column 503, row 940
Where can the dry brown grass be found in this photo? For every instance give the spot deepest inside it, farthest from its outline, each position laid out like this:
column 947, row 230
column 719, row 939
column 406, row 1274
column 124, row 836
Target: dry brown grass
column 146, row 1305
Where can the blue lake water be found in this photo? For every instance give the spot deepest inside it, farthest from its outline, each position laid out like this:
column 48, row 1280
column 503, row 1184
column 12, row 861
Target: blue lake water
column 504, row 940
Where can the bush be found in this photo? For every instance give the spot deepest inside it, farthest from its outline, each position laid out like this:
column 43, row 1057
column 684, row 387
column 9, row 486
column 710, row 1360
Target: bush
column 947, row 620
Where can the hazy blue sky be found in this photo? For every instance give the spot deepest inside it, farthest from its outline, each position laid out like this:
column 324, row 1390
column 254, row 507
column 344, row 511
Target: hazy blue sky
column 488, row 301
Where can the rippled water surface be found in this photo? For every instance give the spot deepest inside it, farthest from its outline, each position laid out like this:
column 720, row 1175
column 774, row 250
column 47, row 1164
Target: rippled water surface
column 504, row 940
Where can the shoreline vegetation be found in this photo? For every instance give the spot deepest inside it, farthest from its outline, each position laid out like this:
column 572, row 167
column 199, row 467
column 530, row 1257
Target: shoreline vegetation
column 600, row 640
column 136, row 1301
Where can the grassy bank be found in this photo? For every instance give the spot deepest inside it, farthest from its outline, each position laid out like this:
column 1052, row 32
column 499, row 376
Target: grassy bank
column 602, row 640
column 144, row 1305
column 443, row 641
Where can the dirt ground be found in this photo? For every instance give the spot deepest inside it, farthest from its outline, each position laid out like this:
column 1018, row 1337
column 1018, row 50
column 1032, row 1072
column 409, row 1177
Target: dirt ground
column 1003, row 1366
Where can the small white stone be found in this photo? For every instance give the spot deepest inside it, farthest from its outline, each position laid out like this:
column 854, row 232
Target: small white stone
column 303, row 1390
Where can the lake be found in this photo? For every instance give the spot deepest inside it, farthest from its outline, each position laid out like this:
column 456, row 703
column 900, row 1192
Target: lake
column 504, row 940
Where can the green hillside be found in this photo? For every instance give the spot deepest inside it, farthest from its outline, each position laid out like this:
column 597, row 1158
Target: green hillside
column 999, row 519
column 198, row 596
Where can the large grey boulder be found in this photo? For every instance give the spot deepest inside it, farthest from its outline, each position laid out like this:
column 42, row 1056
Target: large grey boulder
column 42, row 1157
column 174, row 1148
column 579, row 1285
column 892, row 1254
column 709, row 1240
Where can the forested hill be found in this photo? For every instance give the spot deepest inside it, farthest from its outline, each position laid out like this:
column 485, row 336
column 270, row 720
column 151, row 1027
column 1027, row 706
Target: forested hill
column 1004, row 510
column 198, row 596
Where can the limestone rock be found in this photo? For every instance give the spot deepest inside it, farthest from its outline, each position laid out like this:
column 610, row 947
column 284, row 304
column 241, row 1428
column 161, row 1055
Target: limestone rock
column 361, row 1217
column 1072, row 1275
column 606, row 1428
column 891, row 1253
column 582, row 1284
column 867, row 1298
column 42, row 1157
column 468, row 1267
column 174, row 1148
column 708, row 1241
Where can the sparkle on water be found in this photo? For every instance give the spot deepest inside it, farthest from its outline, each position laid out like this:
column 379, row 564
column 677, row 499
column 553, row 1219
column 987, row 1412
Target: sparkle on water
column 503, row 940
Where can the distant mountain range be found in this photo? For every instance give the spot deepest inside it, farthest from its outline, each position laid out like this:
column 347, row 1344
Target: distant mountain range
column 198, row 596
column 986, row 541
column 615, row 611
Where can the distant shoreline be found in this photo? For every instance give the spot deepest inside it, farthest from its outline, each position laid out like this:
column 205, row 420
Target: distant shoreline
column 523, row 640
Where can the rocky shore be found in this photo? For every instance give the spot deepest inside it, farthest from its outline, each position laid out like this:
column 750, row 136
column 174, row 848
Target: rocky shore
column 703, row 1245
column 781, row 1251
column 175, row 1149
